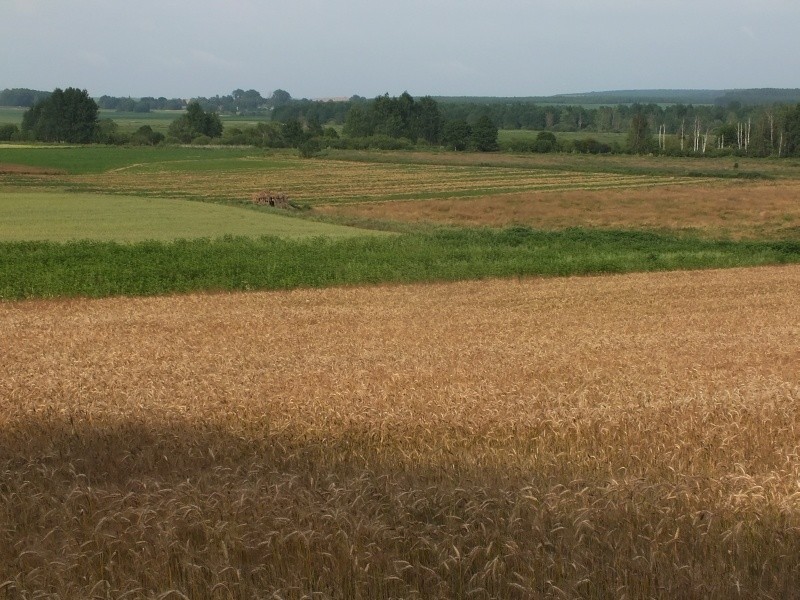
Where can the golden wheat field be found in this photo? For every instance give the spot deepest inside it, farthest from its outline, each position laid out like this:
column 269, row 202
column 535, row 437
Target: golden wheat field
column 629, row 436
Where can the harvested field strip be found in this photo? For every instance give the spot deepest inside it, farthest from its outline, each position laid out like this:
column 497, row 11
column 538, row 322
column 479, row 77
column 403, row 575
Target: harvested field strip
column 588, row 437
column 11, row 169
column 724, row 209
column 500, row 192
column 322, row 181
column 722, row 167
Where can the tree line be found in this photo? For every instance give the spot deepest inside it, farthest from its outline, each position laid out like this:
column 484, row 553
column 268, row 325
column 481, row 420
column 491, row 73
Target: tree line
column 400, row 122
column 238, row 102
column 64, row 116
column 387, row 122
column 21, row 97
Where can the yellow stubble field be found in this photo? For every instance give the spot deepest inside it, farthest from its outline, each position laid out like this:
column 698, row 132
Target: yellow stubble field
column 624, row 436
column 737, row 209
column 322, row 181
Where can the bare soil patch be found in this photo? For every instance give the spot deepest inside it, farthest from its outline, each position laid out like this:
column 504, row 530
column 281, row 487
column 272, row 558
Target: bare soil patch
column 12, row 169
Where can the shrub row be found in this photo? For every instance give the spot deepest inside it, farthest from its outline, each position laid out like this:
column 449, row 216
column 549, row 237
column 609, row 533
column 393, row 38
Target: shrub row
column 96, row 269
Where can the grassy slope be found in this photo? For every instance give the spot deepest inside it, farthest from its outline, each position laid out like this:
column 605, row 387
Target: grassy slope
column 62, row 217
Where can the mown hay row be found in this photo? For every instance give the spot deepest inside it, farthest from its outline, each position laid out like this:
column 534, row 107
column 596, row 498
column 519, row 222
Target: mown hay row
column 339, row 181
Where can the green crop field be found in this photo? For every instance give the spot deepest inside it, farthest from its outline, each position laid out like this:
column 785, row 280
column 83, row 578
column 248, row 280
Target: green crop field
column 11, row 115
column 129, row 122
column 60, row 217
column 75, row 160
column 159, row 120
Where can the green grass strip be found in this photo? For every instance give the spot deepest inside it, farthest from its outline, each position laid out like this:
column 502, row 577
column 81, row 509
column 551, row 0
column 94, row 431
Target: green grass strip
column 97, row 269
column 60, row 217
column 98, row 159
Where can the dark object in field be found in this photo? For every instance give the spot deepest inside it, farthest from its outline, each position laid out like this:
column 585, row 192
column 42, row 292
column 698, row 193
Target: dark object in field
column 277, row 199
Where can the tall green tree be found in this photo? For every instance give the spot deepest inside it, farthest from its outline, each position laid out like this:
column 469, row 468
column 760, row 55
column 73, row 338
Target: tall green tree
column 247, row 101
column 203, row 122
column 358, row 123
column 791, row 128
column 314, row 127
column 279, row 98
column 392, row 116
column 640, row 140
column 484, row 135
column 194, row 123
column 68, row 115
column 456, row 134
column 429, row 121
column 293, row 133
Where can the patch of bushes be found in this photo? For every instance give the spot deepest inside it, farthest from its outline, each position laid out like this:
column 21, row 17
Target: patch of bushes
column 9, row 132
column 145, row 136
column 591, row 146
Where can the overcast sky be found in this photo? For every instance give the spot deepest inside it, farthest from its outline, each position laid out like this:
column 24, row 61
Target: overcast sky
column 335, row 48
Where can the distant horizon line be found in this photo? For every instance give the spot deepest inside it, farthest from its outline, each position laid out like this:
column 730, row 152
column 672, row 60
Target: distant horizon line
column 342, row 98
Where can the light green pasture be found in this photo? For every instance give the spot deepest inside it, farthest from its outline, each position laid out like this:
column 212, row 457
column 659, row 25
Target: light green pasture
column 63, row 216
column 11, row 115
